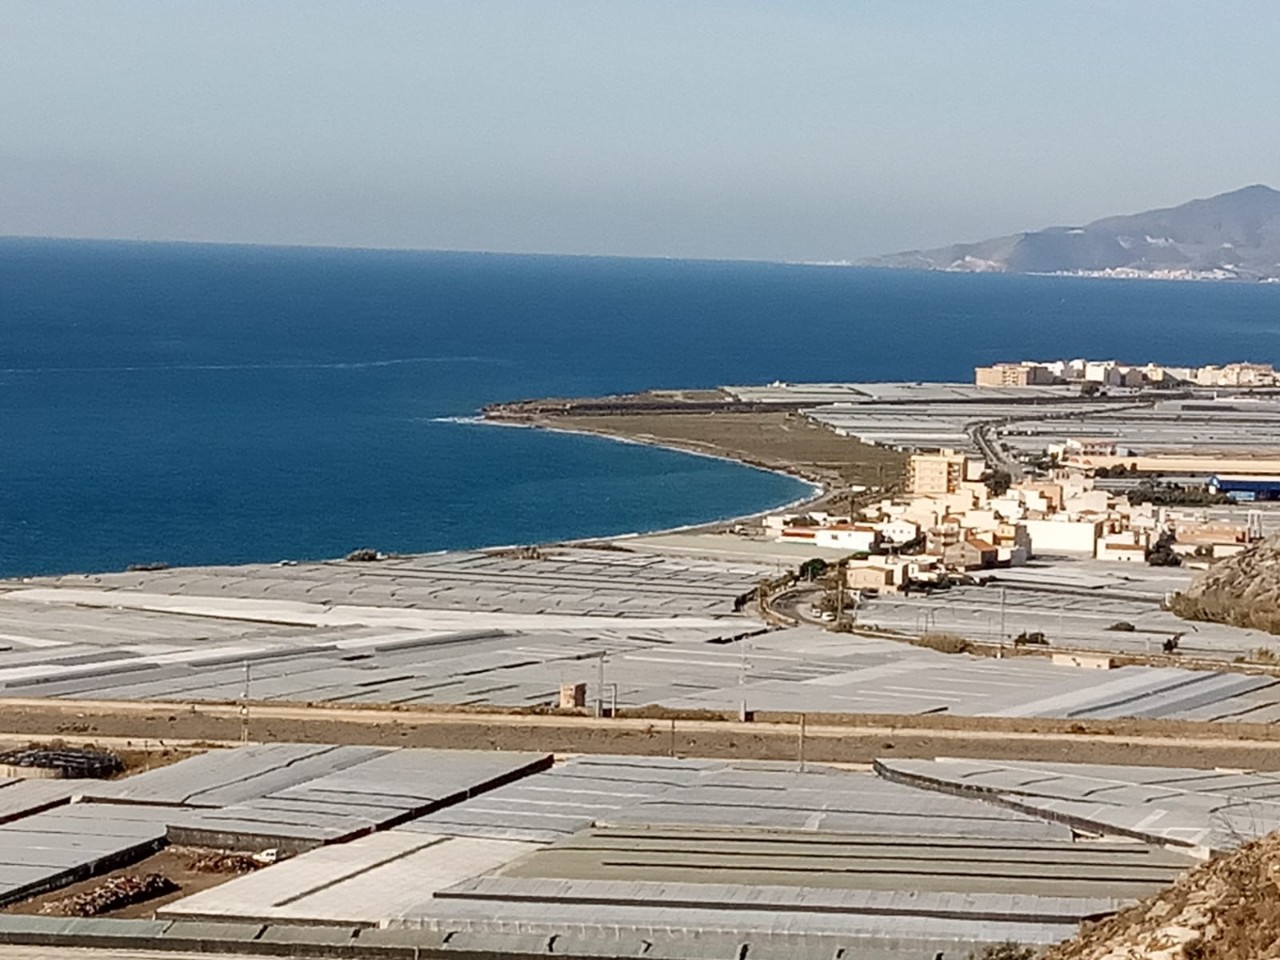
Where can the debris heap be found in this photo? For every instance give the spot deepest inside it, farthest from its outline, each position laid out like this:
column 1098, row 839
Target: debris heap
column 113, row 894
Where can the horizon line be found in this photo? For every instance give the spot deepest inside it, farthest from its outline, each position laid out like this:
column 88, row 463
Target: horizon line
column 372, row 248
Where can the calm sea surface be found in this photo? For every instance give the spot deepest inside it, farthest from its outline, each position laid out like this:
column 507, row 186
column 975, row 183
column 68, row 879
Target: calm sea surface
column 200, row 404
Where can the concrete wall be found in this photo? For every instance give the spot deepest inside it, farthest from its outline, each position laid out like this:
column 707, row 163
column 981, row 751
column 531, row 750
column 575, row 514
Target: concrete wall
column 1075, row 538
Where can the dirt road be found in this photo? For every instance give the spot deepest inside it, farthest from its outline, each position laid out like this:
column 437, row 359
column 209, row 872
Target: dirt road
column 845, row 739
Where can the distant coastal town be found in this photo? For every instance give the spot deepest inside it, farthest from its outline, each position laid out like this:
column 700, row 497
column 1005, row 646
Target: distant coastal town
column 1110, row 373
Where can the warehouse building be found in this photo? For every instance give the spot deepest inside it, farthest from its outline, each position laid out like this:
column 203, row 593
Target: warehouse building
column 1244, row 488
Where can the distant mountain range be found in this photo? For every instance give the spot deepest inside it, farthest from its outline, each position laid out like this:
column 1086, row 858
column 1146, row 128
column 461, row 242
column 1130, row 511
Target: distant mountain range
column 1233, row 236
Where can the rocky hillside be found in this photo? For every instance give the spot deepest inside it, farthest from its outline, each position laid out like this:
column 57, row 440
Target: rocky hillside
column 1243, row 591
column 1231, row 236
column 1228, row 909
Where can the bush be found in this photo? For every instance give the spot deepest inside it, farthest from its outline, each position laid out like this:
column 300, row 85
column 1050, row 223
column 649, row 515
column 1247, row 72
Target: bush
column 813, row 569
column 1172, row 494
column 942, row 642
column 1264, row 655
column 998, row 483
column 1162, row 555
column 1009, row 950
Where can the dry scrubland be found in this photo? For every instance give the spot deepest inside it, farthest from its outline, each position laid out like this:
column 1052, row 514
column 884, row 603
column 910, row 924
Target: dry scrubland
column 780, row 441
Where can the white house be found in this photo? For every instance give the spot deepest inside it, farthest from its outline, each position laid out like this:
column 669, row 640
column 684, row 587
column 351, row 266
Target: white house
column 898, row 531
column 854, row 537
column 1070, row 537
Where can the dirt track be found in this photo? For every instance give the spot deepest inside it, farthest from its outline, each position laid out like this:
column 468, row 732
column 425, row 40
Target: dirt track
column 846, row 739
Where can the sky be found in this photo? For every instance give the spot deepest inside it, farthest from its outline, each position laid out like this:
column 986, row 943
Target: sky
column 765, row 130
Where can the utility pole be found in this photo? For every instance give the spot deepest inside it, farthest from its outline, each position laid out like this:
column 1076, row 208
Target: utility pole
column 600, row 686
column 244, row 707
column 1002, row 633
column 840, row 575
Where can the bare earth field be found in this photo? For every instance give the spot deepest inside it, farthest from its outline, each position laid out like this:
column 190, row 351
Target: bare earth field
column 171, row 862
column 779, row 441
column 843, row 739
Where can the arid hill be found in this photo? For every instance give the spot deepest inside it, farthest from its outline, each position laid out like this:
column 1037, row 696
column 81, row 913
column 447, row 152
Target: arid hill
column 1228, row 909
column 1243, row 591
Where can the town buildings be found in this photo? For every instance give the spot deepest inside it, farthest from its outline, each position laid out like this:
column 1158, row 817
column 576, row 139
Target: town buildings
column 1112, row 373
column 1014, row 375
column 943, row 472
column 948, row 524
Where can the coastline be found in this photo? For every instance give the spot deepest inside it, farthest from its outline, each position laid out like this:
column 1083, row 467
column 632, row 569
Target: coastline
column 779, row 439
column 817, row 490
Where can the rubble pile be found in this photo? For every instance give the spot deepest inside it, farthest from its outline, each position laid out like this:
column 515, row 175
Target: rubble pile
column 217, row 861
column 1227, row 909
column 113, row 894
column 67, row 762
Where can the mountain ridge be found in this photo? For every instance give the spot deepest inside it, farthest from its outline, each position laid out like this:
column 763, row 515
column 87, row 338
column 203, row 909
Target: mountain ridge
column 1230, row 236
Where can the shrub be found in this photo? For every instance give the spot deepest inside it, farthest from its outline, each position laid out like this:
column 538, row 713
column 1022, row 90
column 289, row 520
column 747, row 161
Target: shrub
column 998, row 482
column 942, row 642
column 1009, row 950
column 813, row 569
column 1035, row 638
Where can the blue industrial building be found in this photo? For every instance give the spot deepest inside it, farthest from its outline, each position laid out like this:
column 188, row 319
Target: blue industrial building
column 1246, row 489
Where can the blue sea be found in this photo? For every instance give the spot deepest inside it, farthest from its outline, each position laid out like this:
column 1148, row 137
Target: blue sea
column 188, row 404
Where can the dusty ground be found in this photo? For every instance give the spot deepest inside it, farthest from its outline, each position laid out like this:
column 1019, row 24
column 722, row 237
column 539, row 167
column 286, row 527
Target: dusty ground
column 780, row 441
column 845, row 739
column 171, row 862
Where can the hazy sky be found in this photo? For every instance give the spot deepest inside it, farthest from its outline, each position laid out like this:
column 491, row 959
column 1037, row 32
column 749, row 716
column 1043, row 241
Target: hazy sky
column 780, row 130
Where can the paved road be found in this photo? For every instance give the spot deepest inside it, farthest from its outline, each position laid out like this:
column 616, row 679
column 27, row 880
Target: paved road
column 985, row 438
column 796, row 602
